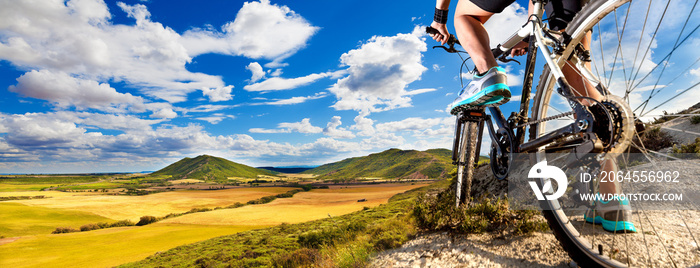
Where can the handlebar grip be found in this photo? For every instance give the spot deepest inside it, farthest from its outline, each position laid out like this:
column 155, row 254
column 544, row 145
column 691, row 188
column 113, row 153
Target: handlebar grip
column 497, row 52
column 450, row 41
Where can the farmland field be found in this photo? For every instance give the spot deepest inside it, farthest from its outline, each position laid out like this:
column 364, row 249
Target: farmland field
column 26, row 224
column 121, row 207
column 304, row 206
column 106, row 247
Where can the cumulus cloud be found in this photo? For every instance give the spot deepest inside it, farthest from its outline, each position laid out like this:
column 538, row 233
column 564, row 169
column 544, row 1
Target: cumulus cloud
column 218, row 94
column 260, row 30
column 77, row 38
column 301, row 127
column 256, row 70
column 65, row 91
column 379, row 72
column 333, row 131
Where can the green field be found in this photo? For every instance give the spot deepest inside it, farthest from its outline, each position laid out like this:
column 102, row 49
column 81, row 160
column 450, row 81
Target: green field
column 20, row 220
column 106, row 247
column 11, row 187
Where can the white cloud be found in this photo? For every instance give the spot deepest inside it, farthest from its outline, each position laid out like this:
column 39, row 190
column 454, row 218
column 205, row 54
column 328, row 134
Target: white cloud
column 302, row 127
column 364, row 125
column 409, row 124
column 333, row 131
column 77, row 38
column 279, row 83
column 65, row 91
column 379, row 72
column 164, row 113
column 215, row 118
column 257, row 32
column 256, row 70
column 218, row 94
column 293, row 100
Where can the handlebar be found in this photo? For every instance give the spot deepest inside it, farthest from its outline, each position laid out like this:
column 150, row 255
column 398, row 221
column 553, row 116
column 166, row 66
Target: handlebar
column 451, row 41
column 498, row 53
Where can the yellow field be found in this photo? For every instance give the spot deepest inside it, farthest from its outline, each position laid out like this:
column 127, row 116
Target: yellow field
column 183, row 181
column 106, row 247
column 114, row 246
column 304, row 206
column 120, row 207
column 21, row 220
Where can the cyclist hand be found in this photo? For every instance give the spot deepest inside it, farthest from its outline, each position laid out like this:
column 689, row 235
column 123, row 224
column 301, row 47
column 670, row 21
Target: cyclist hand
column 443, row 36
column 519, row 49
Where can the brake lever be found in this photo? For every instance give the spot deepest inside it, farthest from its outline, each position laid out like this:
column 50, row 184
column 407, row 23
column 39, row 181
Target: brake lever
column 503, row 58
column 450, row 49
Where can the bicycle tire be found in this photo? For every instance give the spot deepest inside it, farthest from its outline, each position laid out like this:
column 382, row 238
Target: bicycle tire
column 576, row 245
column 467, row 157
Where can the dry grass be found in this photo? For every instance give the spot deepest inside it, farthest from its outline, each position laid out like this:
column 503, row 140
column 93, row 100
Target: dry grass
column 106, row 247
column 160, row 204
column 304, row 206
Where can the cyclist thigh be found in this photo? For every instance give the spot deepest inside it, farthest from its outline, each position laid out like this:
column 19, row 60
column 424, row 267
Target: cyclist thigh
column 492, row 6
column 472, row 9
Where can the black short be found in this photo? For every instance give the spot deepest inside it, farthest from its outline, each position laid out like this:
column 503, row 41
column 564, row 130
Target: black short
column 559, row 12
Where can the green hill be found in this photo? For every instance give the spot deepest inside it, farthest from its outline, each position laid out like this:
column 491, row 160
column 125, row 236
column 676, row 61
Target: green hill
column 206, row 167
column 390, row 164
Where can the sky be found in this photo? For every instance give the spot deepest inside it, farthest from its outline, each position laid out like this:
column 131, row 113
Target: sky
column 129, row 86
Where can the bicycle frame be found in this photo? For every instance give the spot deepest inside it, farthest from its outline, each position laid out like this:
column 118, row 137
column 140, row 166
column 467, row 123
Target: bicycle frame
column 580, row 130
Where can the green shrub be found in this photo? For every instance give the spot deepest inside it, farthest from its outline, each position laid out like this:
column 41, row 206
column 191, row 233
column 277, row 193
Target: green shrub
column 303, row 257
column 690, row 150
column 695, row 120
column 527, row 223
column 438, row 212
column 306, row 188
column 653, row 139
column 236, row 205
column 89, row 227
column 121, row 223
column 392, row 234
column 288, row 194
column 316, row 239
column 196, row 210
column 144, row 220
column 262, row 200
column 63, row 230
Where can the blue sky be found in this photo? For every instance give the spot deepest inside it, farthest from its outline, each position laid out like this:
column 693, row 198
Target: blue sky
column 93, row 86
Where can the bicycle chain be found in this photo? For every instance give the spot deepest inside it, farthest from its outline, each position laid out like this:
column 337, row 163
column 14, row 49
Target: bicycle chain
column 544, row 119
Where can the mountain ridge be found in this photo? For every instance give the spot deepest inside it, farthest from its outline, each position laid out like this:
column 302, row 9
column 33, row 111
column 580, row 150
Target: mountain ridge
column 206, row 167
column 390, row 164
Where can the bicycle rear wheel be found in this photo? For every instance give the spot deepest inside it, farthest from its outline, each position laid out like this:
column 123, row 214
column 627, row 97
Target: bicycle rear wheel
column 645, row 56
column 468, row 141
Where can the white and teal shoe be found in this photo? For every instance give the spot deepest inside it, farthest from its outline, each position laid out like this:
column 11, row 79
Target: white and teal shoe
column 490, row 89
column 614, row 215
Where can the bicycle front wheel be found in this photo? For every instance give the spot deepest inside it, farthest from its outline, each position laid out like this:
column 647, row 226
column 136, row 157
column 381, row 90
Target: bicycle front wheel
column 641, row 57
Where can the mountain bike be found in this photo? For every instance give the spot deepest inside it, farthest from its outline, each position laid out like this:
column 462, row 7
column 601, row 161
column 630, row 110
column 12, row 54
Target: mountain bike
column 559, row 122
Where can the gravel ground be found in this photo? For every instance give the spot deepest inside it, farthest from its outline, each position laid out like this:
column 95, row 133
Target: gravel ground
column 483, row 250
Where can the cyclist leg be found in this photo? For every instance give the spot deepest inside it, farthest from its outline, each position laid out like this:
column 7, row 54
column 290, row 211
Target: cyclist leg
column 469, row 24
column 613, row 213
column 489, row 87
